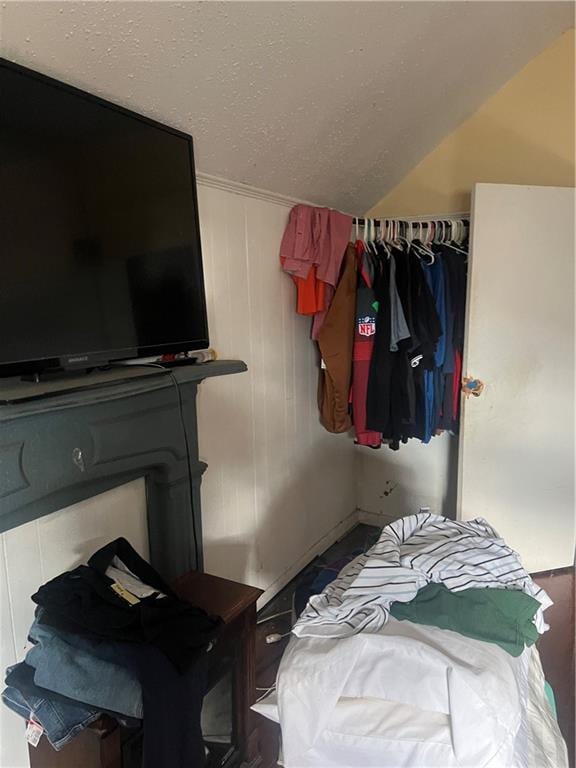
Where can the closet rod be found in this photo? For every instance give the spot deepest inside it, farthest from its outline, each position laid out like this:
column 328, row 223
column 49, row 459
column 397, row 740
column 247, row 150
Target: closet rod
column 424, row 221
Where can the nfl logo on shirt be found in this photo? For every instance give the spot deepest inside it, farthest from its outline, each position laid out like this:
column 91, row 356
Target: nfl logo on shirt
column 366, row 326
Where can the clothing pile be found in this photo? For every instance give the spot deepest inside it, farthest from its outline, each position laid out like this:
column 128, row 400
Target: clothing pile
column 420, row 652
column 427, row 558
column 390, row 330
column 111, row 637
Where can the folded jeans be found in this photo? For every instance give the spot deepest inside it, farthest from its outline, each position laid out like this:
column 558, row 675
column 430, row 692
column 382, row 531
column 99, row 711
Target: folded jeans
column 61, row 720
column 88, row 670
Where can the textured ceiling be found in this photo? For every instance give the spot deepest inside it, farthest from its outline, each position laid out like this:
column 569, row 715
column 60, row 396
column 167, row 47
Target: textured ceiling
column 325, row 101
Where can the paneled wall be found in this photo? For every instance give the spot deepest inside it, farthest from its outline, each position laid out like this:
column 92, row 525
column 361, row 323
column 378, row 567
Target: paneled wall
column 39, row 551
column 278, row 488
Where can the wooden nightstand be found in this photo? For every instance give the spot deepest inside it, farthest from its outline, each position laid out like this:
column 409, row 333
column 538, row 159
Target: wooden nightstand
column 235, row 603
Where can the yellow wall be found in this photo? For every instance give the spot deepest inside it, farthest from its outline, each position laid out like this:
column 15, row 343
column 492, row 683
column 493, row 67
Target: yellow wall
column 524, row 134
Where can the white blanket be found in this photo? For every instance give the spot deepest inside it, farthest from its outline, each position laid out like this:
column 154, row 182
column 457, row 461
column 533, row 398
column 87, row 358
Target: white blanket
column 410, row 553
column 409, row 696
column 358, row 688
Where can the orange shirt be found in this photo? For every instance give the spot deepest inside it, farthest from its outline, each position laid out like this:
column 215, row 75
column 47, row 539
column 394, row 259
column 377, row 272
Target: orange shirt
column 311, row 294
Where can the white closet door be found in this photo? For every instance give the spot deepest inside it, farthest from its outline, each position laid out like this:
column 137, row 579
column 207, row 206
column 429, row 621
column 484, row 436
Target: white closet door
column 517, row 438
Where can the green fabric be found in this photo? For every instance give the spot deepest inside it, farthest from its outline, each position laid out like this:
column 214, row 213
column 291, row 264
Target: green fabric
column 501, row 616
column 548, row 690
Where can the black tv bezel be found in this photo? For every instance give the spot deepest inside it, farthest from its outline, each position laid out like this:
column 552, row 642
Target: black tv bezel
column 102, row 357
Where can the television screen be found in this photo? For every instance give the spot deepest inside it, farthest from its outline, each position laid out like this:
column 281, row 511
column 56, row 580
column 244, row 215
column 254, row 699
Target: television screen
column 100, row 253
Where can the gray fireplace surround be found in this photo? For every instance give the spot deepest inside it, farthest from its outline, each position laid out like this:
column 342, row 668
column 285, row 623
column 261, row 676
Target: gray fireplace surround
column 67, row 446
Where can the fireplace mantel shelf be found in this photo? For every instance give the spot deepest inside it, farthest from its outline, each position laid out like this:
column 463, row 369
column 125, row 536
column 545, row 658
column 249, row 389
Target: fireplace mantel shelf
column 21, row 398
column 66, row 447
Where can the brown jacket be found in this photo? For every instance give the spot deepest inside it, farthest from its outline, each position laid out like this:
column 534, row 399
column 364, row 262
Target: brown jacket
column 335, row 340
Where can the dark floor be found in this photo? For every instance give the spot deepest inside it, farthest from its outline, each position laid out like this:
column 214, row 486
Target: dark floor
column 556, row 646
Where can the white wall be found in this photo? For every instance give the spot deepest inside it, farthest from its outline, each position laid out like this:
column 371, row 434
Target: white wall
column 278, row 486
column 38, row 551
column 391, row 484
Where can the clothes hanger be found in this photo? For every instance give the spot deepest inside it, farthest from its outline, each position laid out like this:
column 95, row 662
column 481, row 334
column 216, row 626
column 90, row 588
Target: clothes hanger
column 455, row 248
column 457, row 235
column 374, row 234
column 382, row 239
column 390, row 235
column 455, row 230
column 403, row 244
column 422, row 250
column 372, row 237
column 367, row 235
column 400, row 242
column 437, row 232
column 422, row 246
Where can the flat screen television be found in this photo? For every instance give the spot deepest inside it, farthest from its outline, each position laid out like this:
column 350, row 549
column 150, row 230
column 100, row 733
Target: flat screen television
column 100, row 255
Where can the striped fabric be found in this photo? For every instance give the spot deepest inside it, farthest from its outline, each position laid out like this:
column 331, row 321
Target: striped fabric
column 411, row 552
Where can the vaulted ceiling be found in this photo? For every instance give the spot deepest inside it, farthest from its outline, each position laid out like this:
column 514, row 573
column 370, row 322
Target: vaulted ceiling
column 331, row 102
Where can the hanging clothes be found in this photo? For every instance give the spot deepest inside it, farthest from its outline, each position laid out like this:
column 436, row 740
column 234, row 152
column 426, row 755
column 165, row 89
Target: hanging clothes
column 378, row 389
column 396, row 383
column 426, row 327
column 434, row 274
column 311, row 252
column 432, row 380
column 399, row 330
column 364, row 334
column 396, row 344
column 310, row 293
column 335, row 341
column 454, row 265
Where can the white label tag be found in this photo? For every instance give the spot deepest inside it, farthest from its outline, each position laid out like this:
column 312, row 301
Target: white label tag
column 34, row 733
column 322, row 365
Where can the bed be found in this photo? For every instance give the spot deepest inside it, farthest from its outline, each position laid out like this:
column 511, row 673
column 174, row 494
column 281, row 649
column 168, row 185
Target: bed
column 388, row 693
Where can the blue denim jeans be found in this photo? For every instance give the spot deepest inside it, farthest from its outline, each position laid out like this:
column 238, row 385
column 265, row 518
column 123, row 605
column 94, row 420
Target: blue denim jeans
column 61, row 720
column 85, row 669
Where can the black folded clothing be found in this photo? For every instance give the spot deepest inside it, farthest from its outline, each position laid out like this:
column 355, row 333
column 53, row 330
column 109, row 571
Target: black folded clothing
column 86, row 600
